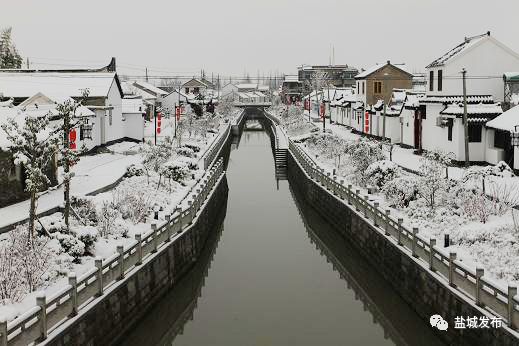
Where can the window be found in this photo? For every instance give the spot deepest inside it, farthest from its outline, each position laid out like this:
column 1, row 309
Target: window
column 110, row 118
column 196, row 90
column 474, row 133
column 377, row 87
column 449, row 131
column 440, row 80
column 187, row 90
column 363, row 88
column 501, row 139
column 431, row 80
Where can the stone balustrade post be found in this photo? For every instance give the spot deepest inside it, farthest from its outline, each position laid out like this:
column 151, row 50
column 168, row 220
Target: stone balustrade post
column 479, row 274
column 349, row 192
column 179, row 211
column 72, row 281
column 357, row 200
column 155, row 236
column 375, row 213
column 191, row 214
column 342, row 188
column 512, row 292
column 432, row 244
column 399, row 229
column 138, row 250
column 415, row 241
column 99, row 275
column 169, row 226
column 366, row 206
column 3, row 332
column 386, row 224
column 452, row 258
column 41, row 302
column 120, row 261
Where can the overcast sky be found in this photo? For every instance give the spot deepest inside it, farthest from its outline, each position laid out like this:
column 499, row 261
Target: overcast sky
column 233, row 36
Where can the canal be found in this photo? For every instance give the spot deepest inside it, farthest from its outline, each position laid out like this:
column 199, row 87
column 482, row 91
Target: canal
column 277, row 274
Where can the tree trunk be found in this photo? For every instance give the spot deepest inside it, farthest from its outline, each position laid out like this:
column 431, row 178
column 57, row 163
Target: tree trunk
column 32, row 217
column 66, row 169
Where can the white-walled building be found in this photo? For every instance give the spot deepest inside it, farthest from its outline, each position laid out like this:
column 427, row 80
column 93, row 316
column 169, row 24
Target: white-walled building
column 104, row 97
column 442, row 111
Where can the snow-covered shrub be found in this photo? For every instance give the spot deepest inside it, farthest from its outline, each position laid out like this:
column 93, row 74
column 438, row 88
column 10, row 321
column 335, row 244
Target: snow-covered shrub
column 107, row 216
column 24, row 266
column 51, row 224
column 363, row 152
column 85, row 209
column 506, row 192
column 432, row 183
column 381, row 172
column 193, row 147
column 131, row 203
column 71, row 245
column 401, row 191
column 481, row 174
column 475, row 204
column 192, row 165
column 173, row 171
column 154, row 156
column 419, row 209
column 185, row 151
column 134, row 171
column 88, row 235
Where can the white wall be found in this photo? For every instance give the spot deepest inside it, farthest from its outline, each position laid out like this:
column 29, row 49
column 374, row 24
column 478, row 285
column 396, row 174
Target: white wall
column 134, row 126
column 114, row 131
column 407, row 117
column 485, row 59
column 492, row 154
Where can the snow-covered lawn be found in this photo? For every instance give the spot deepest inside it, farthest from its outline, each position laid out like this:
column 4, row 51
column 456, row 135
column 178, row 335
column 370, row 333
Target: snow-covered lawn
column 480, row 226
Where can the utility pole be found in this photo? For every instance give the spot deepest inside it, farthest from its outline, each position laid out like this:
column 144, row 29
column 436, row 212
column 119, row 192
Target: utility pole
column 465, row 121
column 146, row 74
column 155, row 116
column 28, row 65
column 384, row 123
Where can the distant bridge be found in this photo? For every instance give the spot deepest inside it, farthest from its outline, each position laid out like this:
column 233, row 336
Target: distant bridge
column 241, row 104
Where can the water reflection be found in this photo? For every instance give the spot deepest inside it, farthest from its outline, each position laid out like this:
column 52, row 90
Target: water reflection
column 269, row 285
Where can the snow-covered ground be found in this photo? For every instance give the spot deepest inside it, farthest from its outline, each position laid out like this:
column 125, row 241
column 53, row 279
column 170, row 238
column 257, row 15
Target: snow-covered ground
column 481, row 229
column 156, row 179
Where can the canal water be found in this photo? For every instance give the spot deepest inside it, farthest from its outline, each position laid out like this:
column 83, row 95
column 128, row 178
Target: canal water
column 277, row 274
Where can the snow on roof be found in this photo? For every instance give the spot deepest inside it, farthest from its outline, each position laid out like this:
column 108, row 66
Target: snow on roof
column 358, row 105
column 56, row 84
column 247, row 86
column 291, row 79
column 377, row 67
column 263, row 87
column 459, row 49
column 473, row 109
column 133, row 105
column 150, row 87
column 51, row 110
column 457, row 99
column 413, row 99
column 505, row 121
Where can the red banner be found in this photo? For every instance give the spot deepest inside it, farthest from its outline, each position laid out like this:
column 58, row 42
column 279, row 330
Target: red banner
column 366, row 123
column 72, row 139
column 178, row 110
column 322, row 110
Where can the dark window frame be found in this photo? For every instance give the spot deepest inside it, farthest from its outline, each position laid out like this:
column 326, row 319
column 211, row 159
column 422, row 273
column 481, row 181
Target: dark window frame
column 440, row 80
column 431, row 80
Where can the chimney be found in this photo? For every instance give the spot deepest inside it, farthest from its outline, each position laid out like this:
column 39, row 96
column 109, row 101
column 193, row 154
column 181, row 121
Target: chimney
column 488, row 33
column 389, row 62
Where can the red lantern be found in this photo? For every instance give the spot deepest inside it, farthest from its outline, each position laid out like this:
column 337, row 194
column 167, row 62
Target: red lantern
column 366, row 123
column 72, row 139
column 322, row 110
column 178, row 110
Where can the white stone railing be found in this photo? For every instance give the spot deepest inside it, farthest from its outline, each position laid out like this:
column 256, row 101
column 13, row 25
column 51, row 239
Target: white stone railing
column 212, row 153
column 51, row 312
column 499, row 301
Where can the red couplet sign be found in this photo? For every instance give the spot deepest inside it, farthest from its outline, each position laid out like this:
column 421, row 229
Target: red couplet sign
column 178, row 110
column 366, row 123
column 159, row 121
column 72, row 139
column 322, row 110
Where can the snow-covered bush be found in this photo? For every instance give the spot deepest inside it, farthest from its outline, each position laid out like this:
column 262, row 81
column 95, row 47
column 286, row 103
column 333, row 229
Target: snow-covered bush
column 134, row 171
column 381, row 172
column 107, row 216
column 85, row 209
column 173, row 171
column 475, row 204
column 193, row 147
column 88, row 235
column 51, row 224
column 24, row 266
column 401, row 191
column 185, row 151
column 432, row 183
column 363, row 152
column 154, row 156
column 481, row 174
column 132, row 204
column 71, row 245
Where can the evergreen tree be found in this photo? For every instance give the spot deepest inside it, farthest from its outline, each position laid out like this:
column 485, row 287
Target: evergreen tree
column 9, row 56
